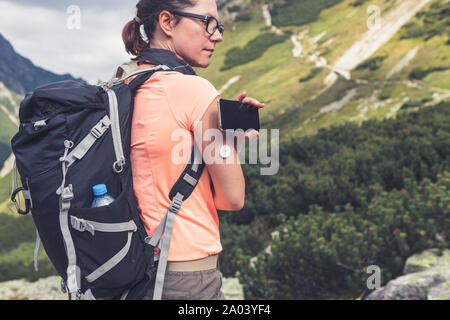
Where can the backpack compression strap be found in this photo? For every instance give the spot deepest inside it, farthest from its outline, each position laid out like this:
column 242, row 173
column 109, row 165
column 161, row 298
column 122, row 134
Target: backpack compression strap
column 181, row 190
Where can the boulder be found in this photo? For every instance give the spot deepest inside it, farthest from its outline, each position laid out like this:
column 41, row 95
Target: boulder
column 440, row 292
column 426, row 277
column 232, row 289
column 425, row 260
column 43, row 289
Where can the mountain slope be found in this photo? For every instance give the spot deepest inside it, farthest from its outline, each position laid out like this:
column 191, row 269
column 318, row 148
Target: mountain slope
column 9, row 123
column 20, row 74
column 334, row 68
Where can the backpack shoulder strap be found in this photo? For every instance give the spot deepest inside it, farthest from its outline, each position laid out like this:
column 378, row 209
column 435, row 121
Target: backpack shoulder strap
column 181, row 190
column 136, row 79
column 190, row 177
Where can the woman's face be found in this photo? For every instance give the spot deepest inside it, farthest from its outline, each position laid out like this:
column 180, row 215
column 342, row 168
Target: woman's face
column 190, row 38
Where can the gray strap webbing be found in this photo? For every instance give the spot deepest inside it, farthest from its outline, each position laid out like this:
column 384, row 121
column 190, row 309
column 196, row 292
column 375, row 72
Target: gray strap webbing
column 125, row 295
column 111, row 263
column 136, row 73
column 197, row 157
column 189, row 179
column 88, row 295
column 115, row 130
column 83, row 147
column 36, row 251
column 155, row 239
column 162, row 264
column 92, row 226
column 73, row 271
column 26, row 194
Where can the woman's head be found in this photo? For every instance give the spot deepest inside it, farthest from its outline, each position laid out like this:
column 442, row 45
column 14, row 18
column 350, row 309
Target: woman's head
column 169, row 24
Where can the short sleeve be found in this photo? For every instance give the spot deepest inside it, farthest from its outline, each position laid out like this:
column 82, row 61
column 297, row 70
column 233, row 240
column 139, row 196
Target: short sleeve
column 189, row 97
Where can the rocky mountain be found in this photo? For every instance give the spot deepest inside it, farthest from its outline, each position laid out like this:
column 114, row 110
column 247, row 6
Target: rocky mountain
column 19, row 74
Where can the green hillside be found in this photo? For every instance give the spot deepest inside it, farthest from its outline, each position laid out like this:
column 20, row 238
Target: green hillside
column 9, row 107
column 298, row 101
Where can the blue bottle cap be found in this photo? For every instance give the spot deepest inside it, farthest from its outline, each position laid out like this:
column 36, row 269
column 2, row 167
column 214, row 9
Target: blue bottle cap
column 99, row 190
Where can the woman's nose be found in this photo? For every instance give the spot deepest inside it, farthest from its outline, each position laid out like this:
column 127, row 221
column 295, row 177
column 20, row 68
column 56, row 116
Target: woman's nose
column 217, row 36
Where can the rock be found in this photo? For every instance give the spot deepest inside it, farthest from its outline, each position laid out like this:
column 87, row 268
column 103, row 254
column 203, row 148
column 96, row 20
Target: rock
column 232, row 289
column 427, row 276
column 49, row 289
column 425, row 260
column 43, row 289
column 440, row 292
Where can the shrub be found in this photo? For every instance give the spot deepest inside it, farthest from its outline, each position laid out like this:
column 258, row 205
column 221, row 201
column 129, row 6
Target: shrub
column 325, row 253
column 252, row 237
column 311, row 74
column 420, row 73
column 413, row 30
column 325, row 169
column 17, row 236
column 294, row 12
column 432, row 22
column 252, row 50
column 18, row 264
column 358, row 3
column 243, row 17
column 372, row 63
column 411, row 104
column 5, row 151
column 233, row 9
column 15, row 230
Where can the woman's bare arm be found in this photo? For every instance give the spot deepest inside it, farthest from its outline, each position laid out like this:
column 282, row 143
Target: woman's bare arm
column 226, row 174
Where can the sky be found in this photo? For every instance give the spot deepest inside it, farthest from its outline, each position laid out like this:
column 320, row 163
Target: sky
column 80, row 37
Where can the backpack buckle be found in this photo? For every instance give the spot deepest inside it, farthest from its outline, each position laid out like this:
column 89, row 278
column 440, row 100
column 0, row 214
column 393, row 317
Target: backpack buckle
column 99, row 129
column 176, row 203
column 82, row 225
column 67, row 194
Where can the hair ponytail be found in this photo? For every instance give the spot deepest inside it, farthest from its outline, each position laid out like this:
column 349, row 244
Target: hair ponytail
column 148, row 14
column 131, row 35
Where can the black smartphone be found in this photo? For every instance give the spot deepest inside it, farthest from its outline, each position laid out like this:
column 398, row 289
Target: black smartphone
column 237, row 115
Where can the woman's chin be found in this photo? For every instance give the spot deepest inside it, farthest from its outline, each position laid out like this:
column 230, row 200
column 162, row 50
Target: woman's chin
column 201, row 63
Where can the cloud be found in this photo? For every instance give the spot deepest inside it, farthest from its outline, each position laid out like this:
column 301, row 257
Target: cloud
column 61, row 5
column 49, row 35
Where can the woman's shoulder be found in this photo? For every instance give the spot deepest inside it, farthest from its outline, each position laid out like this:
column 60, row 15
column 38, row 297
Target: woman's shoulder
column 175, row 81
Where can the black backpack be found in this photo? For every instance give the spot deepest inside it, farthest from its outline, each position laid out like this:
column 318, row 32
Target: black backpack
column 73, row 136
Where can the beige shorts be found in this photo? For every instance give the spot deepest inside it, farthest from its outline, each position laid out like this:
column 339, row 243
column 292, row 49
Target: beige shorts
column 191, row 285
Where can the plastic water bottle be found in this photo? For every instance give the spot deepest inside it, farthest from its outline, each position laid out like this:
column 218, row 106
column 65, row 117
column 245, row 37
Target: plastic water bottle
column 101, row 196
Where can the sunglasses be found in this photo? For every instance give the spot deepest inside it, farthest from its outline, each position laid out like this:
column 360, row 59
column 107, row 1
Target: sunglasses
column 211, row 23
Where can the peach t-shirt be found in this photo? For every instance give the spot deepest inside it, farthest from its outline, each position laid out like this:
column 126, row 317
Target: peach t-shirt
column 166, row 109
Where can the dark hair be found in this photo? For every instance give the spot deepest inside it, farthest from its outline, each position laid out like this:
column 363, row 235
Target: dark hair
column 148, row 14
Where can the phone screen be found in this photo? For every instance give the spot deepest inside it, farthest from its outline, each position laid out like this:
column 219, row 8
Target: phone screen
column 235, row 115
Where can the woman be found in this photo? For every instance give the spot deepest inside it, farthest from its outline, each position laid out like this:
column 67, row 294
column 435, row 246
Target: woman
column 181, row 34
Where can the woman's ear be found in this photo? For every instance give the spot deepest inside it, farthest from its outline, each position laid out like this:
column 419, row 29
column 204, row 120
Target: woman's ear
column 166, row 22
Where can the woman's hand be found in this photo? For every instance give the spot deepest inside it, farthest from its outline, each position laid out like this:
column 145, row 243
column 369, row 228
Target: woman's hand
column 253, row 102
